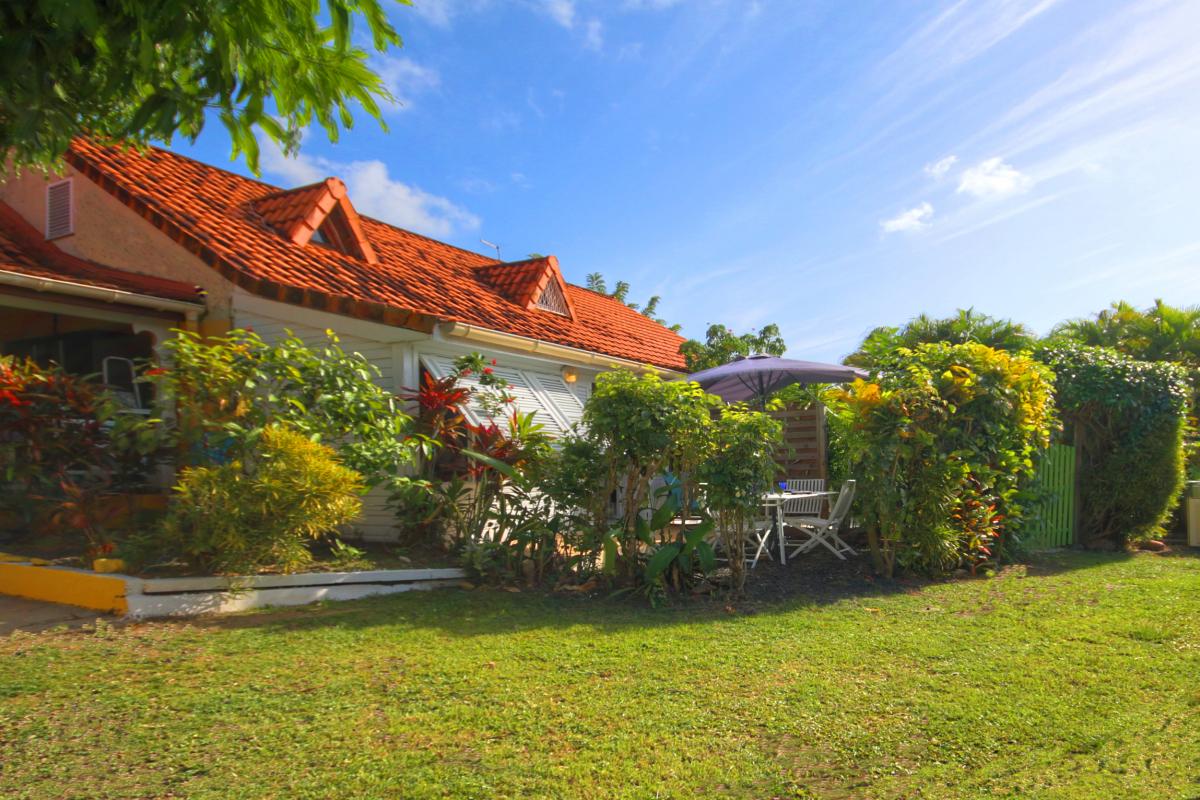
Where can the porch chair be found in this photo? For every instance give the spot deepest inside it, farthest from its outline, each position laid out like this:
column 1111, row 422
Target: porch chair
column 808, row 506
column 823, row 530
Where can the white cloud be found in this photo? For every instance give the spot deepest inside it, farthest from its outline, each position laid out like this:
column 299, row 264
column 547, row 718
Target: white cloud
column 938, row 169
column 561, row 11
column 436, row 12
column 992, row 178
column 405, row 79
column 593, row 35
column 959, row 34
column 374, row 192
column 630, row 51
column 914, row 219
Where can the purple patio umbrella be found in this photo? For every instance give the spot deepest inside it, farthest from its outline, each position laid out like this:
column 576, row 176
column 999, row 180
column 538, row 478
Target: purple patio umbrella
column 756, row 377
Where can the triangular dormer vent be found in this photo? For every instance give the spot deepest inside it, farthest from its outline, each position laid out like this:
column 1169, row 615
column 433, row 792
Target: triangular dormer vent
column 318, row 215
column 535, row 284
column 553, row 299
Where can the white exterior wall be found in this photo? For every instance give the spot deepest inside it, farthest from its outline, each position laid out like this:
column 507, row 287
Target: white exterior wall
column 399, row 353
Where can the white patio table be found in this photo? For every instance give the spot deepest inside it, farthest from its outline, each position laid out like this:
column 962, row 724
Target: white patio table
column 773, row 502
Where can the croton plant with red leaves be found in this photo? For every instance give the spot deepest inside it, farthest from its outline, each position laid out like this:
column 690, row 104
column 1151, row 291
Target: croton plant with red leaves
column 503, row 435
column 54, row 450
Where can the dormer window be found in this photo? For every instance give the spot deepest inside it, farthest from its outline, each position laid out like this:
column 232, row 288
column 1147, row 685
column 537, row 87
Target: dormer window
column 321, row 215
column 552, row 299
column 535, row 284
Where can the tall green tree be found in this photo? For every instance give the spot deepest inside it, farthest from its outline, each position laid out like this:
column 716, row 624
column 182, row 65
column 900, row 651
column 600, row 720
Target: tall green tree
column 721, row 345
column 1158, row 333
column 143, row 70
column 620, row 291
column 968, row 325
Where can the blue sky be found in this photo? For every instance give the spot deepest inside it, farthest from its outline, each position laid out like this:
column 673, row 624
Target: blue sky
column 828, row 166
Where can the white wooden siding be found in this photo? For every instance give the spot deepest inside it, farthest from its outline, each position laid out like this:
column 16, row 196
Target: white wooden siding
column 378, row 353
column 377, row 522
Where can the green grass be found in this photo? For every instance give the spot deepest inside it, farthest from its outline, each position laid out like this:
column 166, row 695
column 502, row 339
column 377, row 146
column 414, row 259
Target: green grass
column 1078, row 680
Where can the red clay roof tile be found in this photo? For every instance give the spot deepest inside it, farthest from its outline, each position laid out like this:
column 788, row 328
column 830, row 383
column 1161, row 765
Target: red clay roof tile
column 415, row 282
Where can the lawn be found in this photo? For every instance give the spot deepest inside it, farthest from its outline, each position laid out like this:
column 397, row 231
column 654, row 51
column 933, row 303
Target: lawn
column 1078, row 677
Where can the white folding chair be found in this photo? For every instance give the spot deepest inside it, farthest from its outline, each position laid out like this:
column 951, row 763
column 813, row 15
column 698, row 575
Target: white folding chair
column 824, row 530
column 758, row 543
column 759, row 538
column 805, row 506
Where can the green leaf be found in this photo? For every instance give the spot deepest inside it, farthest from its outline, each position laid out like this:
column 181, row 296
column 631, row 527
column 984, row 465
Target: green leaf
column 661, row 559
column 642, row 530
column 609, row 565
column 504, row 469
column 706, row 556
column 664, row 514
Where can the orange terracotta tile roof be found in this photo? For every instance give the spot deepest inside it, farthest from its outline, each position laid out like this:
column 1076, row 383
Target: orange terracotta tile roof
column 415, row 282
column 523, row 282
column 24, row 250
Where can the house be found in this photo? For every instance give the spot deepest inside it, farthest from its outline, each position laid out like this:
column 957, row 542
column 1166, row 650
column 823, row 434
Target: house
column 100, row 263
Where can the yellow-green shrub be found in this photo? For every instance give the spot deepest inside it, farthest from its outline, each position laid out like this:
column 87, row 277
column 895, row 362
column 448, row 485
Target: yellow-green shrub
column 262, row 512
column 942, row 440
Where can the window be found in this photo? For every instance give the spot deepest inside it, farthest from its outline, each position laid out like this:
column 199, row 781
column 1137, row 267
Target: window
column 552, row 299
column 60, row 215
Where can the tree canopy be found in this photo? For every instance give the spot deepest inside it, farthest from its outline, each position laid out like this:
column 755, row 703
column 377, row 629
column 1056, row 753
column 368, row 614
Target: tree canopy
column 596, row 282
column 968, row 325
column 143, row 70
column 1159, row 333
column 721, row 345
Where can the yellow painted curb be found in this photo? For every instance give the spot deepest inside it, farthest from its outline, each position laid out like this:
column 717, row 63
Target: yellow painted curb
column 37, row 562
column 60, row 585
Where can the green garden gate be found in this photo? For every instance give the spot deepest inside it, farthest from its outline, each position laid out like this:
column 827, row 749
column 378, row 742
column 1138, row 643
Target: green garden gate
column 1053, row 519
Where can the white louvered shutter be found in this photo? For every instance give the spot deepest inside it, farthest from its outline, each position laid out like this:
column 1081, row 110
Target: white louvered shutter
column 523, row 387
column 543, row 393
column 559, row 395
column 60, row 215
column 582, row 391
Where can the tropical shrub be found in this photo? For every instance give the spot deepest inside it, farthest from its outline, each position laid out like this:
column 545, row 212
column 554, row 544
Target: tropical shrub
column 968, row 325
column 721, row 345
column 641, row 427
column 469, row 473
column 55, row 453
column 943, row 439
column 260, row 510
column 1127, row 419
column 217, row 395
column 1158, row 333
column 735, row 473
column 622, row 484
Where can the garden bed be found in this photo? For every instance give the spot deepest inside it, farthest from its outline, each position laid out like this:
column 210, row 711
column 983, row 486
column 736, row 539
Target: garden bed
column 144, row 598
column 64, row 551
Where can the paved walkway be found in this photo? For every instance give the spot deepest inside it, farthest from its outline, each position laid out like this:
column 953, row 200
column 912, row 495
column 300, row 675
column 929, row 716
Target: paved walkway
column 17, row 613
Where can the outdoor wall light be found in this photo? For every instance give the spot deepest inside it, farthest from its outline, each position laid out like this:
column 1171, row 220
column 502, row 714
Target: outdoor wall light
column 570, row 374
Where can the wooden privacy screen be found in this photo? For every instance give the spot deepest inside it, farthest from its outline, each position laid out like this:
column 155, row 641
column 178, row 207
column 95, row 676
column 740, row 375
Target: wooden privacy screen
column 803, row 452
